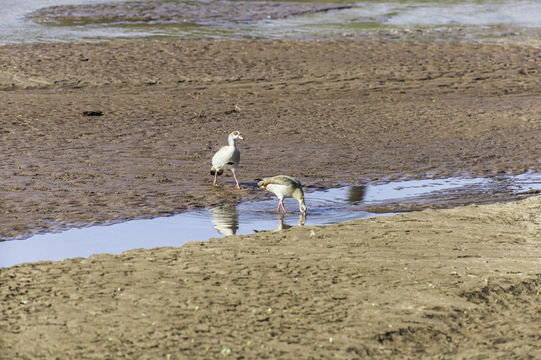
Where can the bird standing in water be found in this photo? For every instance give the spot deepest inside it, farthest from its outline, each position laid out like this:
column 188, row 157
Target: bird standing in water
column 284, row 186
column 228, row 157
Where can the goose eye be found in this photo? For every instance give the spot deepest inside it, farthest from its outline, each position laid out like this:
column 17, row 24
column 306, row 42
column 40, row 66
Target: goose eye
column 235, row 132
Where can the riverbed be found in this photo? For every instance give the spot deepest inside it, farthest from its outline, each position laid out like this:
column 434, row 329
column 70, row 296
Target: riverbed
column 99, row 133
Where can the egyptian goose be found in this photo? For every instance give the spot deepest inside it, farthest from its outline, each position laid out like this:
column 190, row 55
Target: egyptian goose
column 284, row 186
column 228, row 157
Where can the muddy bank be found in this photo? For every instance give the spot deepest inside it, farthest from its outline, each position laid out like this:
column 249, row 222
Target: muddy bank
column 328, row 113
column 460, row 283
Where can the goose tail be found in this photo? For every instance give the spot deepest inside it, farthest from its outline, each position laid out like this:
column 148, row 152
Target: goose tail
column 213, row 171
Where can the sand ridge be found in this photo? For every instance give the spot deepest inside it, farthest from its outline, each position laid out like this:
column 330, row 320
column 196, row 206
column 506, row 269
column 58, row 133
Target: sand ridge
column 457, row 283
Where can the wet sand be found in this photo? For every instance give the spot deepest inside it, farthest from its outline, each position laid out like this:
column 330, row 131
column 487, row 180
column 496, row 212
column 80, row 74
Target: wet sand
column 456, row 283
column 460, row 283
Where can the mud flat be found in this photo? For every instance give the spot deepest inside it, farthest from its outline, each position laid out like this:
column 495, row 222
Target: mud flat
column 328, row 113
column 458, row 283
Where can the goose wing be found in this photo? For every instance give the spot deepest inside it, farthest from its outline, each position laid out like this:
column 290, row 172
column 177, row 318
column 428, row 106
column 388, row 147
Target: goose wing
column 279, row 180
column 236, row 157
column 226, row 155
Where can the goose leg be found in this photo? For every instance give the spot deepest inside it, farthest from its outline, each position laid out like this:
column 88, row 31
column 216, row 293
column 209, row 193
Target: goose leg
column 238, row 186
column 283, row 207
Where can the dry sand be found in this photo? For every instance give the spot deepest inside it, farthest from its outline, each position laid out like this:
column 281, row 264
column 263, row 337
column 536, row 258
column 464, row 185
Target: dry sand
column 460, row 283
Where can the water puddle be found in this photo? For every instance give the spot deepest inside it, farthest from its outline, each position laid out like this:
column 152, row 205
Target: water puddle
column 324, row 207
column 16, row 28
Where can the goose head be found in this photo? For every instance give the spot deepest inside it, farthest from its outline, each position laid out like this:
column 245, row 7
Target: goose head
column 232, row 140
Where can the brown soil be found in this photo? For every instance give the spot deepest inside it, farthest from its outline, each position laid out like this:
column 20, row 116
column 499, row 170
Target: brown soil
column 457, row 283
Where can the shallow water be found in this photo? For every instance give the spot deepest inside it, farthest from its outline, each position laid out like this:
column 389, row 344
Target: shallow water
column 324, row 207
column 16, row 28
column 495, row 19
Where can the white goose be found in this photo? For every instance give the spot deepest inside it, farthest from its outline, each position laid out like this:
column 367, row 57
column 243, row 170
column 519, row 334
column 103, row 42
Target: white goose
column 284, row 186
column 228, row 157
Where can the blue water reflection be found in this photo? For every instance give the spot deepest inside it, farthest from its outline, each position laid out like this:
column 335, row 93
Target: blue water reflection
column 324, row 207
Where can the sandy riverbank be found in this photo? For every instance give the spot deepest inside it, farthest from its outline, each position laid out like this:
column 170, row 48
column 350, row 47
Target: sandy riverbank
column 460, row 283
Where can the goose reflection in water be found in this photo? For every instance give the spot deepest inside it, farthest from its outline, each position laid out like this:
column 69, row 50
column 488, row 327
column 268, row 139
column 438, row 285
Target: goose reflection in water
column 283, row 226
column 356, row 194
column 225, row 219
